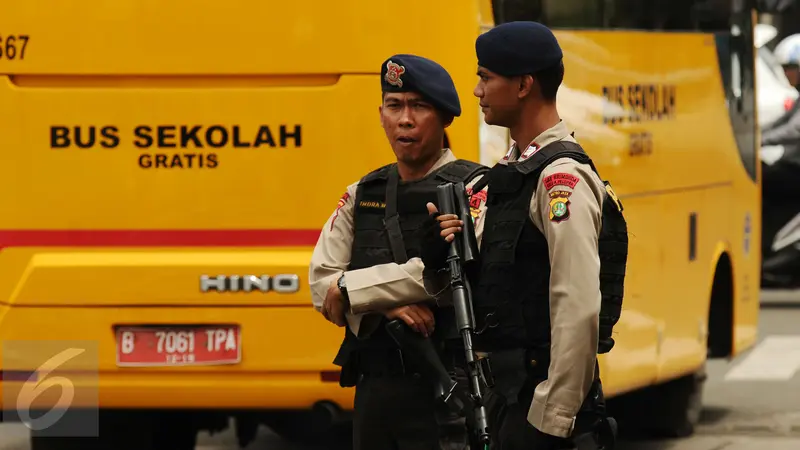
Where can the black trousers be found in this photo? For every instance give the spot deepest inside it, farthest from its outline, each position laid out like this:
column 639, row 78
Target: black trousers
column 511, row 430
column 395, row 412
column 508, row 422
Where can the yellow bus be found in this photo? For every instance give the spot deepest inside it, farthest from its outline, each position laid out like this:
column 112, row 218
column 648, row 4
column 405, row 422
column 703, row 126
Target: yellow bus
column 167, row 166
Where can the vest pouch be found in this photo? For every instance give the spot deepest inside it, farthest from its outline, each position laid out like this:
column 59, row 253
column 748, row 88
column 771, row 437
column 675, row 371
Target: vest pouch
column 509, row 371
column 499, row 245
column 504, row 326
column 371, row 230
column 410, row 227
column 507, row 315
column 505, row 180
column 370, row 247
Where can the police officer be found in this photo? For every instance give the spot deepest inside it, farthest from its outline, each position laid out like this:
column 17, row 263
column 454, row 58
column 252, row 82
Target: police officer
column 547, row 224
column 367, row 269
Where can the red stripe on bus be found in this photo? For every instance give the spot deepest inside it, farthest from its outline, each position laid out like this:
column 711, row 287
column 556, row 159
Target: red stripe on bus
column 157, row 238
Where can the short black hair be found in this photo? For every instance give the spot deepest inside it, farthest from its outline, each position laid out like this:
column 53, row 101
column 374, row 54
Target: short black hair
column 550, row 80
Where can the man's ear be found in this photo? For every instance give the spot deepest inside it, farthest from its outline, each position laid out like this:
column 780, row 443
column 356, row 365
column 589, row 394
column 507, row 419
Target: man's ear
column 446, row 118
column 380, row 113
column 525, row 88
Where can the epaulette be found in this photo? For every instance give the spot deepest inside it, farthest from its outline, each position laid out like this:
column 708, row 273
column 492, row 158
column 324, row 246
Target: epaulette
column 549, row 153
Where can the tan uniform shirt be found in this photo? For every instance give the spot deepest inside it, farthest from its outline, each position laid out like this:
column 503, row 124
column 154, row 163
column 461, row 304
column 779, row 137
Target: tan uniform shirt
column 574, row 281
column 372, row 289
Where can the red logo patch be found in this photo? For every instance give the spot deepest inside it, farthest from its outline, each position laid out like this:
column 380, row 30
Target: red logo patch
column 475, row 203
column 393, row 73
column 560, row 178
column 476, row 199
column 339, row 206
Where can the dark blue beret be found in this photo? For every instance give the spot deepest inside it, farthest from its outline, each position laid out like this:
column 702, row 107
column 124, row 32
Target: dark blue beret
column 406, row 73
column 518, row 48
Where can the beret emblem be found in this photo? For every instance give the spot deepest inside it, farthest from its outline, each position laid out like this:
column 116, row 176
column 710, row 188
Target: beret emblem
column 393, row 73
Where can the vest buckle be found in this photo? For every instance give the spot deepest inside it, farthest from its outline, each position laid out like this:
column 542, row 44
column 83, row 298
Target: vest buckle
column 489, row 322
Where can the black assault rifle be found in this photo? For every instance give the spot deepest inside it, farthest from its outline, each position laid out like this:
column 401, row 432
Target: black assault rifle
column 462, row 252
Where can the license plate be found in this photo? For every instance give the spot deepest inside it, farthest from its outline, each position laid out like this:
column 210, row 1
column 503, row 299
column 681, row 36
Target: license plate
column 178, row 346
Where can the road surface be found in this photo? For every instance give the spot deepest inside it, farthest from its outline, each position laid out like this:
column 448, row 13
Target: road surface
column 752, row 403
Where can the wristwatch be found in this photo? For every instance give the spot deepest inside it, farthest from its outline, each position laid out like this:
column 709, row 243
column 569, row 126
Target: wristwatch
column 343, row 288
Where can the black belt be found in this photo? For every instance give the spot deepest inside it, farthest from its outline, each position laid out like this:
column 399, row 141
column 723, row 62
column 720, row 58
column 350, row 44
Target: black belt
column 397, row 362
column 535, row 361
column 516, row 371
column 386, row 362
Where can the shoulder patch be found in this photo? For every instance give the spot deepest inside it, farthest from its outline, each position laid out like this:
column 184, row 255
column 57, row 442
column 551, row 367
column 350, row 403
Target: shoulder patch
column 559, row 206
column 562, row 179
column 339, row 205
column 555, row 194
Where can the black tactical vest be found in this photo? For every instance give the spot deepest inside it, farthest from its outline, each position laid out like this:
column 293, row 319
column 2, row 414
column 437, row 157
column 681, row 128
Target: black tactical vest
column 387, row 215
column 511, row 299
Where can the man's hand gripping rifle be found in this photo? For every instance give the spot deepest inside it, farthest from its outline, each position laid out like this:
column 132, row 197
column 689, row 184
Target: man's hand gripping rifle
column 462, row 253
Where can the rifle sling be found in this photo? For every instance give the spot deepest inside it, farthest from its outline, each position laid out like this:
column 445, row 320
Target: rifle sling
column 392, row 220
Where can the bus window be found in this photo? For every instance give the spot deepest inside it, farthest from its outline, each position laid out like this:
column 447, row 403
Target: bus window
column 512, row 10
column 663, row 15
column 736, row 63
column 560, row 13
column 743, row 116
column 573, row 13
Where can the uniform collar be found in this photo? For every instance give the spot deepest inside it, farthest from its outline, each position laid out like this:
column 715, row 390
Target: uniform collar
column 445, row 157
column 555, row 133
